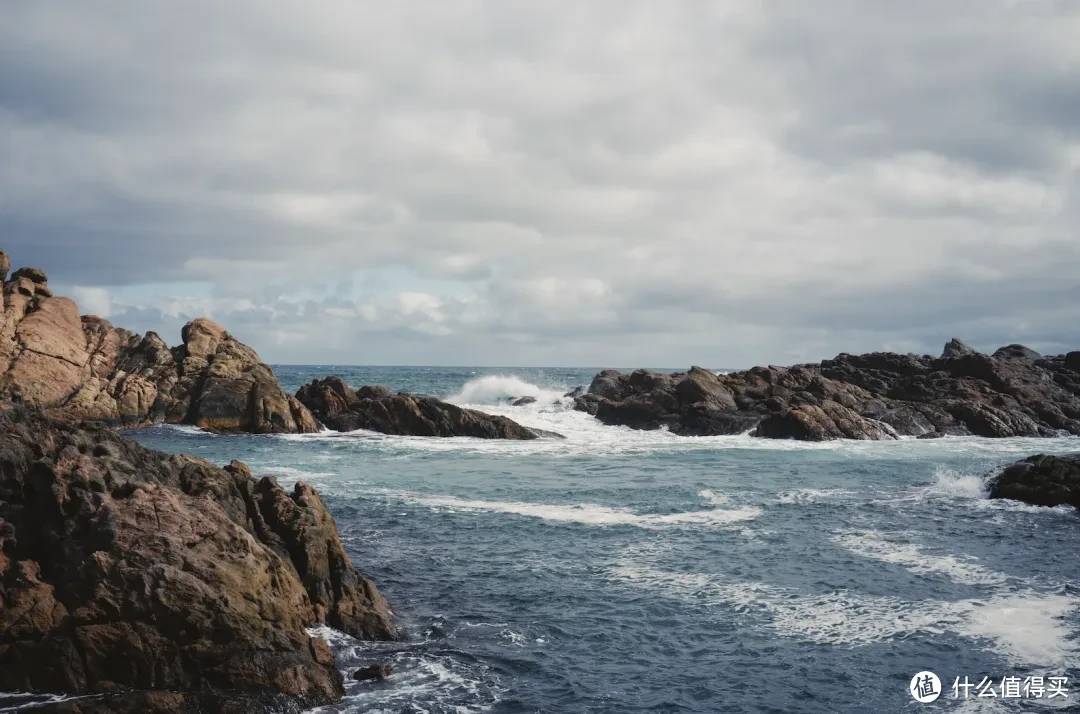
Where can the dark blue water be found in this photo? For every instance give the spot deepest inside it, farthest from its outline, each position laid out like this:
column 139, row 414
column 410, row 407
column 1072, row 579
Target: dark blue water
column 621, row 571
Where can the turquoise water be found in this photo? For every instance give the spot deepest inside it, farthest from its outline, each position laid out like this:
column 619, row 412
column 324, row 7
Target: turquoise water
column 620, row 571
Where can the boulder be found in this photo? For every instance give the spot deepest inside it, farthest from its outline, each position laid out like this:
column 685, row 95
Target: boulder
column 5, row 266
column 522, row 401
column 34, row 275
column 1016, row 352
column 578, row 391
column 373, row 672
column 956, row 348
column 831, row 420
column 1041, row 480
column 165, row 581
column 340, row 408
column 1072, row 361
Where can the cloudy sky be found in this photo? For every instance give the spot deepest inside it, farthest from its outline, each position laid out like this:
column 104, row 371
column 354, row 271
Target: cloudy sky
column 609, row 182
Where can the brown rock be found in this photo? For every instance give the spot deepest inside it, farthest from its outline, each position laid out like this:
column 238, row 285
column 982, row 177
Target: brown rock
column 34, row 275
column 125, row 569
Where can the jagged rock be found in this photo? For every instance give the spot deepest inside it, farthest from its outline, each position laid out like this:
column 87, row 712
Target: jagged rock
column 86, row 369
column 956, row 348
column 872, row 396
column 34, row 275
column 122, row 568
column 522, row 401
column 5, row 266
column 377, row 672
column 1017, row 352
column 577, row 391
column 1041, row 480
column 340, row 408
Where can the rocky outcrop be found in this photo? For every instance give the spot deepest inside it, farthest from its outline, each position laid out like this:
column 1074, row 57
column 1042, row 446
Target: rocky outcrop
column 165, row 582
column 1040, row 480
column 337, row 406
column 956, row 348
column 881, row 395
column 83, row 368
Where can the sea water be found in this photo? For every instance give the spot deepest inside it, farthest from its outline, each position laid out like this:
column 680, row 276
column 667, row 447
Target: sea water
column 628, row 571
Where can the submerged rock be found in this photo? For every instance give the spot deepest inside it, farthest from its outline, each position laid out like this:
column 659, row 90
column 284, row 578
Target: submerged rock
column 522, row 401
column 1041, row 480
column 83, row 368
column 881, row 395
column 340, row 408
column 166, row 582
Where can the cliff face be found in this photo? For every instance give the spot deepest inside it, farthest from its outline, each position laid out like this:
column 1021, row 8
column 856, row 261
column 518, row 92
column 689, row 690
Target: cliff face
column 125, row 570
column 83, row 368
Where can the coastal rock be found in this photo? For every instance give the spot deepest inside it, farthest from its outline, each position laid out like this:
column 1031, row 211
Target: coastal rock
column 880, row 395
column 1016, row 352
column 165, row 581
column 522, row 401
column 808, row 422
column 86, row 369
column 377, row 672
column 956, row 348
column 1040, row 480
column 1072, row 361
column 339, row 407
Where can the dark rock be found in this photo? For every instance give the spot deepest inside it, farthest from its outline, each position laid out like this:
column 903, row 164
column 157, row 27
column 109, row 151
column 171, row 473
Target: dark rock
column 377, row 672
column 336, row 405
column 956, row 348
column 880, row 395
column 1016, row 352
column 1040, row 480
column 523, row 401
column 932, row 435
column 829, row 421
column 1072, row 361
column 577, row 392
column 123, row 569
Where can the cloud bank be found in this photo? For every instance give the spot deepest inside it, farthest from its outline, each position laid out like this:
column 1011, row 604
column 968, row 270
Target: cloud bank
column 614, row 183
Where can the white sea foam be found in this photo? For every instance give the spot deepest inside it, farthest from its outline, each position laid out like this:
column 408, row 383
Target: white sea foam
column 290, row 472
column 584, row 513
column 1026, row 628
column 874, row 545
column 499, row 389
column 812, row 495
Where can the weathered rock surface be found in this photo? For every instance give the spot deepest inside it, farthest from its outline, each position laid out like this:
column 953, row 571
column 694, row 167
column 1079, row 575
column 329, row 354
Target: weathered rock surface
column 165, row 582
column 341, row 408
column 1040, row 480
column 83, row 368
column 880, row 395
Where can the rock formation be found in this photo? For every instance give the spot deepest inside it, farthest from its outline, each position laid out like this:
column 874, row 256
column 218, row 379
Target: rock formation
column 341, row 408
column 882, row 395
column 165, row 582
column 83, row 368
column 1040, row 480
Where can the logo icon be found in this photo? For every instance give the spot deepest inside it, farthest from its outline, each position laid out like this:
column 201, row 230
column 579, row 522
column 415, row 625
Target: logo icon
column 925, row 687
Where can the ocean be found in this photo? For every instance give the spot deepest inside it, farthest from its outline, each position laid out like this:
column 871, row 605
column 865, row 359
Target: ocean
column 620, row 571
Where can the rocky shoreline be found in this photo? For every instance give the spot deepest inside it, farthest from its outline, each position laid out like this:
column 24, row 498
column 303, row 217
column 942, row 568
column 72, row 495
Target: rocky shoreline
column 163, row 581
column 877, row 396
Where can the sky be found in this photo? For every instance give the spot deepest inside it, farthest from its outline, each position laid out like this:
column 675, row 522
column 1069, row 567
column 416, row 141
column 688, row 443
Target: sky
column 547, row 183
